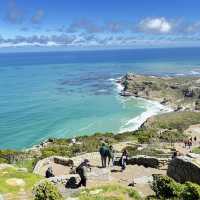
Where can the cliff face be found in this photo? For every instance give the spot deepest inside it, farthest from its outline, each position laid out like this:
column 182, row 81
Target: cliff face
column 181, row 93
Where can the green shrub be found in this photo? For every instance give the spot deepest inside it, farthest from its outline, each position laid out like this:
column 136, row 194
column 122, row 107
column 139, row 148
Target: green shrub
column 196, row 150
column 46, row 191
column 3, row 160
column 165, row 187
column 191, row 191
column 56, row 150
column 149, row 151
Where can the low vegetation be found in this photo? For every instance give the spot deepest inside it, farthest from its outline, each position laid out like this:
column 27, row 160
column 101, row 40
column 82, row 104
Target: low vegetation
column 175, row 120
column 109, row 192
column 166, row 188
column 46, row 191
column 196, row 150
column 167, row 127
column 149, row 151
column 10, row 173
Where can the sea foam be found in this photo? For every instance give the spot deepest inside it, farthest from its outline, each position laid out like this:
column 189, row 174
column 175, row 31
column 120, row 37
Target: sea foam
column 151, row 108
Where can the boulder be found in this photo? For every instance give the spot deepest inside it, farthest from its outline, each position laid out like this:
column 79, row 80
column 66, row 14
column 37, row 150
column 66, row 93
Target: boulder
column 144, row 161
column 184, row 168
column 63, row 161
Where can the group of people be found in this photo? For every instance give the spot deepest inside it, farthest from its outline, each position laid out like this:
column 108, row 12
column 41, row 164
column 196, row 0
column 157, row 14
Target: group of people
column 107, row 154
column 188, row 143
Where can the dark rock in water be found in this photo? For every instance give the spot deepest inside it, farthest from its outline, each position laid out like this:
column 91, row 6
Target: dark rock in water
column 118, row 81
column 164, row 101
column 125, row 94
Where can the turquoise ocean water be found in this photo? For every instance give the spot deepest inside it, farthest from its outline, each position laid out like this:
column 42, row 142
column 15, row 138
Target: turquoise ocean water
column 64, row 94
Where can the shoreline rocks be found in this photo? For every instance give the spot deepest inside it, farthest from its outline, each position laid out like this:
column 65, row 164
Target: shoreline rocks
column 180, row 93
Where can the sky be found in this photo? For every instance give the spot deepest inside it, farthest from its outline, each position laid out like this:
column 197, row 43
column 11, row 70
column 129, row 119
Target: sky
column 77, row 24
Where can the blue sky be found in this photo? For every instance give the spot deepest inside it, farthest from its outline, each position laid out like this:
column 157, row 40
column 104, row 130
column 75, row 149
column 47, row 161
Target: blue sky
column 99, row 23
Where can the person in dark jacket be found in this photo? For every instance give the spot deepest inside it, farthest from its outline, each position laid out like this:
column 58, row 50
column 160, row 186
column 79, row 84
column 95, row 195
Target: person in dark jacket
column 49, row 172
column 104, row 154
column 82, row 171
column 111, row 155
column 123, row 159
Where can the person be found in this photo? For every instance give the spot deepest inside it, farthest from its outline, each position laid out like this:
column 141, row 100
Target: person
column 49, row 172
column 185, row 143
column 111, row 155
column 195, row 139
column 190, row 144
column 124, row 158
column 175, row 154
column 104, row 153
column 82, row 171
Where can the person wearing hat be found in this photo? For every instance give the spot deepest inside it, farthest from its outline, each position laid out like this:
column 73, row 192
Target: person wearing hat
column 82, row 171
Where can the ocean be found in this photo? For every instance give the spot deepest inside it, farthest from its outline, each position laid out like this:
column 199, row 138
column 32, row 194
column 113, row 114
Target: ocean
column 67, row 94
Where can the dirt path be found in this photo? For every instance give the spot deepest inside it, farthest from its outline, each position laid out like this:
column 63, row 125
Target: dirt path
column 192, row 131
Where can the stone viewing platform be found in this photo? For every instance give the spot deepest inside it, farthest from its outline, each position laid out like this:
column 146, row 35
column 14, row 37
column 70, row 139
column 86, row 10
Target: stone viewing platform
column 185, row 168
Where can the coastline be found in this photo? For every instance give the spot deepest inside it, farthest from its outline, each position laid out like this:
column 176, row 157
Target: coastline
column 152, row 107
column 134, row 123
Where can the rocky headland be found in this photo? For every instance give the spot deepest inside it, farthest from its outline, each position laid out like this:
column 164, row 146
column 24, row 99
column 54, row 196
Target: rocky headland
column 180, row 93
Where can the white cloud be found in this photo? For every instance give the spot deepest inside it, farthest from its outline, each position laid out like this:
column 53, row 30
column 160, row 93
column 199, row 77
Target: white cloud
column 160, row 25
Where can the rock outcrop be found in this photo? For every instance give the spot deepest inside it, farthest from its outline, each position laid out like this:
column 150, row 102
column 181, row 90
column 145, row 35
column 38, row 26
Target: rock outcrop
column 185, row 168
column 178, row 92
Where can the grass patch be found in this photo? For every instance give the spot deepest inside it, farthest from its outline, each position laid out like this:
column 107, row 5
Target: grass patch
column 176, row 120
column 196, row 150
column 149, row 151
column 29, row 179
column 29, row 164
column 109, row 192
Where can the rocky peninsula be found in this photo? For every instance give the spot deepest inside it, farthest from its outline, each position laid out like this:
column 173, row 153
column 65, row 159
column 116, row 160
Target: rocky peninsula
column 180, row 93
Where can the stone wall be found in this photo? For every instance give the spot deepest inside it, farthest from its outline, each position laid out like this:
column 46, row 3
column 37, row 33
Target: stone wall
column 53, row 159
column 184, row 168
column 146, row 161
